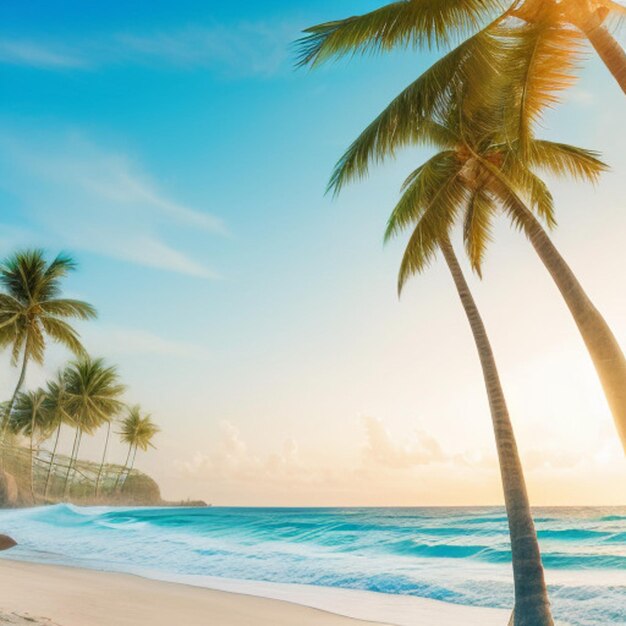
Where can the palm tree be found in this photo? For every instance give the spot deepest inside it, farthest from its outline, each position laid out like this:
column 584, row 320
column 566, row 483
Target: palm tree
column 57, row 417
column 421, row 24
column 137, row 431
column 31, row 310
column 29, row 418
column 533, row 70
column 91, row 398
column 451, row 185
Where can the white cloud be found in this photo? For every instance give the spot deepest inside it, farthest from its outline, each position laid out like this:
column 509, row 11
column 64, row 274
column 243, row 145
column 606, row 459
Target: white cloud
column 36, row 55
column 232, row 459
column 382, row 450
column 85, row 197
column 244, row 48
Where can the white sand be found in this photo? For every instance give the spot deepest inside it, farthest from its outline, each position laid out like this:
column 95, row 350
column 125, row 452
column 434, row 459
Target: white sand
column 74, row 597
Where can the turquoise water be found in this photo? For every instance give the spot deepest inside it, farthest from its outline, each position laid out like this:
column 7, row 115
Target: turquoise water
column 456, row 555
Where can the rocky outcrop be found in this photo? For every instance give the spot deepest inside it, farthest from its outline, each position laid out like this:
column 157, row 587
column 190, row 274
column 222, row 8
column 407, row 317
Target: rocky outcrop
column 6, row 542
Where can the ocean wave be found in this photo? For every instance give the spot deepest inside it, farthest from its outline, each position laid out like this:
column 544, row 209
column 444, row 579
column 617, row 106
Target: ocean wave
column 455, row 555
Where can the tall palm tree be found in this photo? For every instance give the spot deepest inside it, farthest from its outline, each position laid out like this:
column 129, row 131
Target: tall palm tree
column 32, row 311
column 454, row 185
column 422, row 24
column 532, row 606
column 138, row 431
column 535, row 66
column 91, row 397
column 30, row 418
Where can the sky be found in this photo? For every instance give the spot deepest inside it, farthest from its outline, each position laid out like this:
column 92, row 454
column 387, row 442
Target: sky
column 175, row 152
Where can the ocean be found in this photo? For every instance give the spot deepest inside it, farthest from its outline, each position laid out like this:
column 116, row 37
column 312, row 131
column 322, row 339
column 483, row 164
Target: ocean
column 457, row 555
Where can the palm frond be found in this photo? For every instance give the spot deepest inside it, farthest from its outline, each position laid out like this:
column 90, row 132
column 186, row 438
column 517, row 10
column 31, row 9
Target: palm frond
column 48, row 286
column 407, row 23
column 421, row 113
column 433, row 226
column 421, row 189
column 477, row 227
column 542, row 61
column 65, row 307
column 564, row 160
column 63, row 333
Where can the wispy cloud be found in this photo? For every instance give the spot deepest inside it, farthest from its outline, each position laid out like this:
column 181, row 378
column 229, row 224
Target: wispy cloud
column 382, row 450
column 241, row 49
column 250, row 48
column 85, row 197
column 119, row 341
column 16, row 52
column 233, row 459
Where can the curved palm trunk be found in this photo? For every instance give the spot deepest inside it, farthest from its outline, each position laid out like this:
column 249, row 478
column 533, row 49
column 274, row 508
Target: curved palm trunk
column 607, row 47
column 104, row 456
column 119, row 476
column 52, row 460
column 603, row 348
column 20, row 382
column 532, row 607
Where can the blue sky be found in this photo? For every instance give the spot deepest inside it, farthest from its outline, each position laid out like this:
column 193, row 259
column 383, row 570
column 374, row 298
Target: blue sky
column 174, row 150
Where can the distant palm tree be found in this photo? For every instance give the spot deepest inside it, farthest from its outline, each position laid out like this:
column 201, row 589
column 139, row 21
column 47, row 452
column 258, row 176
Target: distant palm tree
column 32, row 310
column 30, row 418
column 109, row 422
column 56, row 416
column 137, row 431
column 91, row 397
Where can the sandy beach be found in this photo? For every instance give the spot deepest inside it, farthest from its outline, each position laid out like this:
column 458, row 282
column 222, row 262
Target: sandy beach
column 63, row 596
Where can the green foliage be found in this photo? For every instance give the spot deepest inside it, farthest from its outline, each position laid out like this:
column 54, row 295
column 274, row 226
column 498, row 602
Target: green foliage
column 30, row 415
column 91, row 394
column 408, row 23
column 31, row 308
column 424, row 113
column 137, row 429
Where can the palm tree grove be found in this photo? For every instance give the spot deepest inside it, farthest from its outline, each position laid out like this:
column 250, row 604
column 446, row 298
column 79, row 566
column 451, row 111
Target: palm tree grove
column 85, row 398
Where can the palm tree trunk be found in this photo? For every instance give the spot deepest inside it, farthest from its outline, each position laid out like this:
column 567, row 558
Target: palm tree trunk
column 20, row 382
column 119, row 476
column 607, row 47
column 52, row 459
column 130, row 468
column 71, row 463
column 605, row 352
column 32, row 459
column 104, row 455
column 532, row 607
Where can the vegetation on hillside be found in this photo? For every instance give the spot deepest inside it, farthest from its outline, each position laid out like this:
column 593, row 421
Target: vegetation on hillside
column 86, row 397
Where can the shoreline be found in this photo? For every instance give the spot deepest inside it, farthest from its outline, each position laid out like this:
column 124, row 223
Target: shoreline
column 56, row 595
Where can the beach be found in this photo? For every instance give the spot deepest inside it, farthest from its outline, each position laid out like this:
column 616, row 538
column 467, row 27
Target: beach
column 67, row 596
